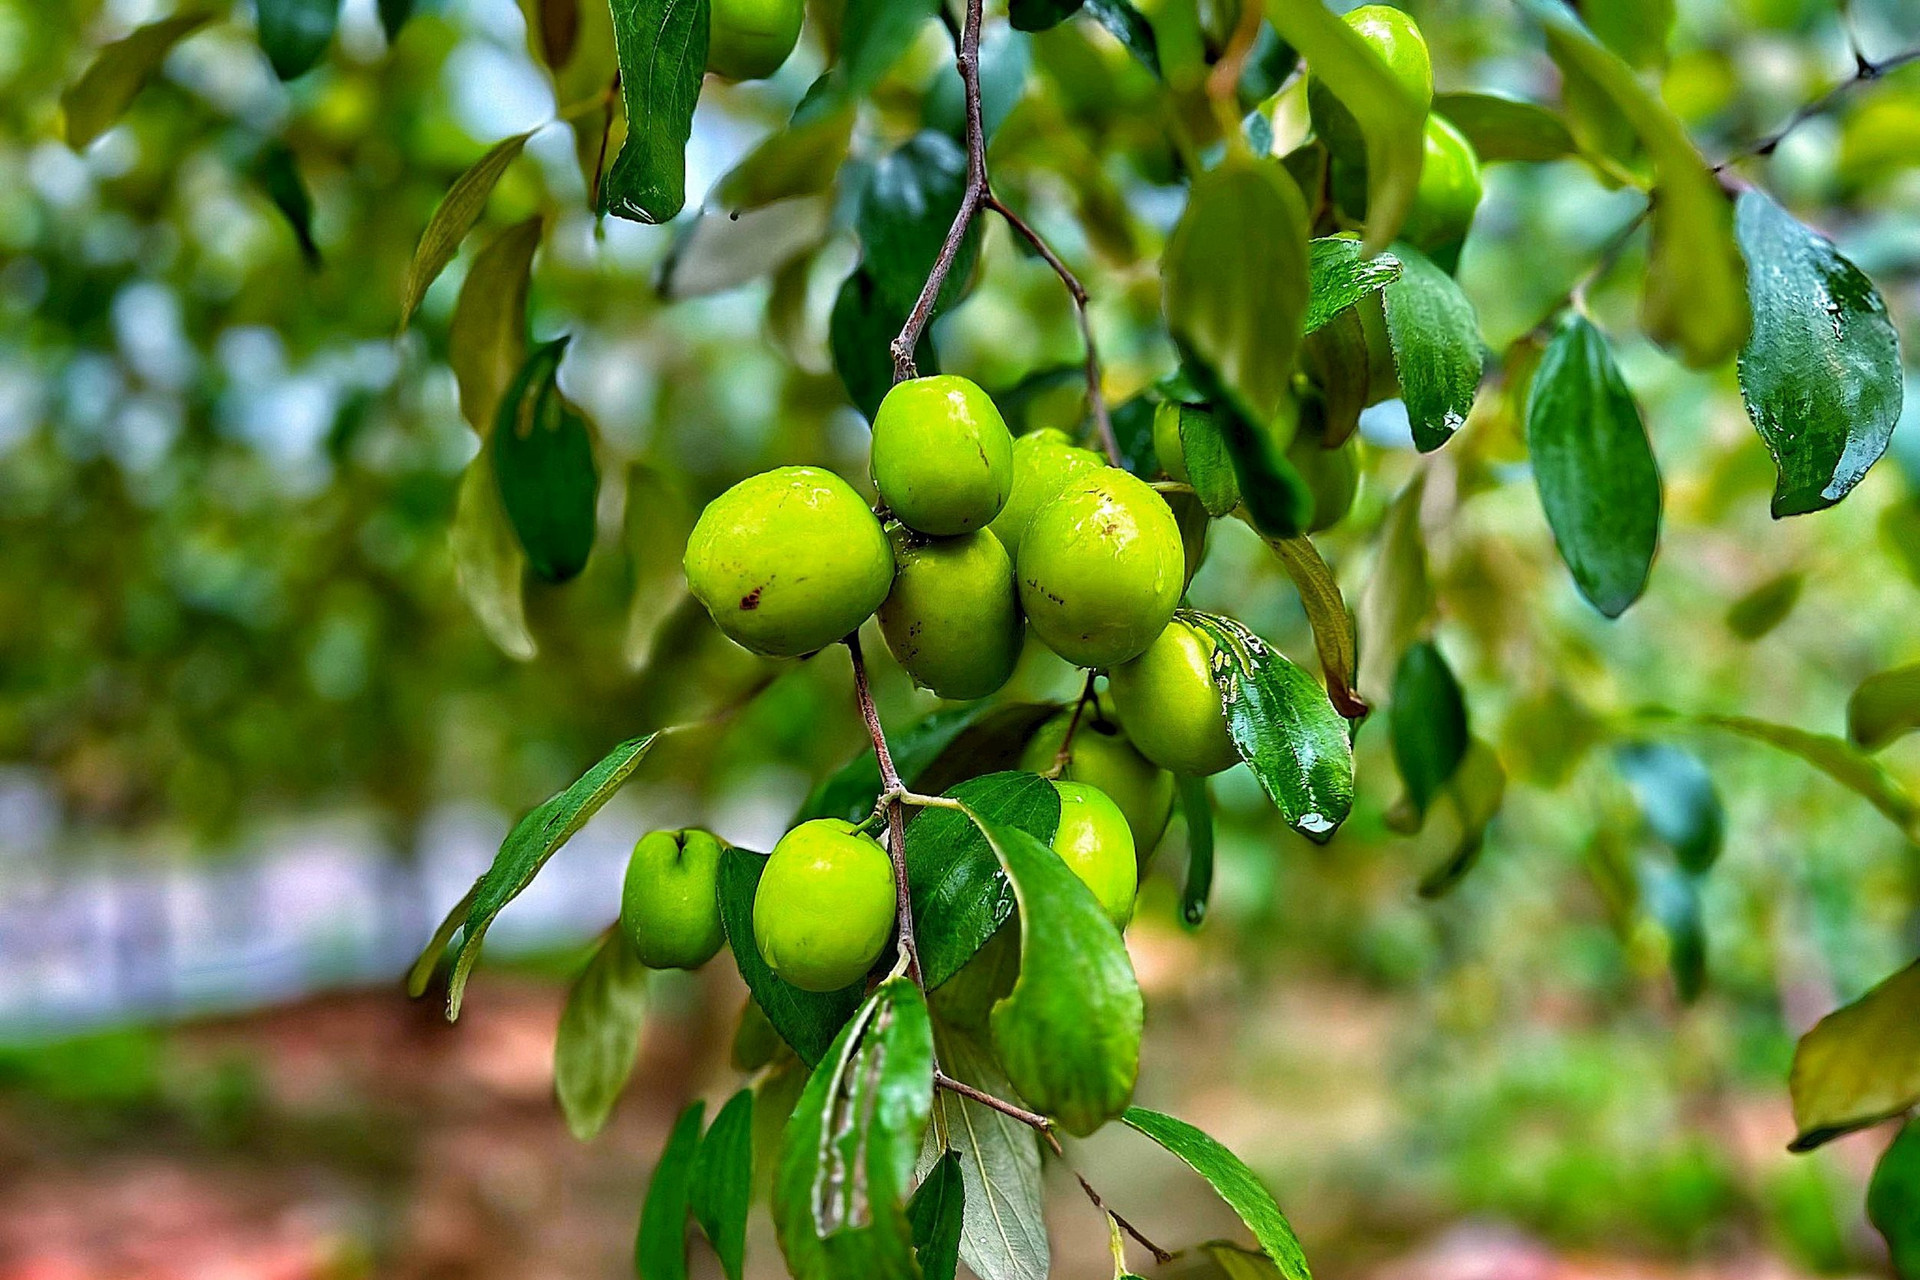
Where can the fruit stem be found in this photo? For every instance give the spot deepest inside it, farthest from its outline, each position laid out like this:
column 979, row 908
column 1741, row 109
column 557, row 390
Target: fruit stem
column 891, row 791
column 1062, row 757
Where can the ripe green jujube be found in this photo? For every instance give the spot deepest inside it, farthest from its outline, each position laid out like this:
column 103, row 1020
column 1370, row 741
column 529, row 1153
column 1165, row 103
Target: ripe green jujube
column 1044, row 462
column 1101, row 756
column 1333, row 475
column 669, row 904
column 1101, row 568
column 1396, row 38
column 953, row 619
column 789, row 561
column 942, row 456
column 1093, row 838
column 1170, row 703
column 825, row 906
column 752, row 39
column 1166, row 441
column 1448, row 195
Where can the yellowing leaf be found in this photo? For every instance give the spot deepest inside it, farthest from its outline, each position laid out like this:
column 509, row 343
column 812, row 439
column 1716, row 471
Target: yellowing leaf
column 1860, row 1065
column 114, row 78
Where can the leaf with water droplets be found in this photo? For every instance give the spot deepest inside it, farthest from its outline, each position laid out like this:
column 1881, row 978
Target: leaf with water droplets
column 1436, row 348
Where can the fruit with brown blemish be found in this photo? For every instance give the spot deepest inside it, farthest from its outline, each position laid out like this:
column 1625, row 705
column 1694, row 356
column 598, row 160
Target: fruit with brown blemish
column 1101, row 568
column 953, row 618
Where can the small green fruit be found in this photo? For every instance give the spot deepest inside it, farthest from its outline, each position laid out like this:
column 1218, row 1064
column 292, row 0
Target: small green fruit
column 1170, row 703
column 825, row 907
column 1101, row 756
column 1044, row 463
column 1166, row 441
column 1332, row 474
column 669, row 905
column 1449, row 192
column 789, row 561
column 1093, row 838
column 751, row 39
column 942, row 457
column 1397, row 39
column 953, row 619
column 1102, row 568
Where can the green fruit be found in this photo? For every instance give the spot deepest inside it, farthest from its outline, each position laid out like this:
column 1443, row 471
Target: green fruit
column 670, row 906
column 1044, row 463
column 1166, row 441
column 789, row 561
column 953, row 619
column 1102, row 757
column 1170, row 703
column 1101, row 568
column 751, row 39
column 1332, row 474
column 1093, row 838
column 942, row 458
column 824, row 910
column 1397, row 39
column 1449, row 191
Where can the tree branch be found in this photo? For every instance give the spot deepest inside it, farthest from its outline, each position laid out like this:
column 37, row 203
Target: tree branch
column 1865, row 69
column 1031, row 1119
column 896, row 820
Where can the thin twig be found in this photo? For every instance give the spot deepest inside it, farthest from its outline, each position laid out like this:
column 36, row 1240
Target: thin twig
column 1160, row 1256
column 1065, row 753
column 1576, row 294
column 1865, row 69
column 1031, row 1119
column 896, row 819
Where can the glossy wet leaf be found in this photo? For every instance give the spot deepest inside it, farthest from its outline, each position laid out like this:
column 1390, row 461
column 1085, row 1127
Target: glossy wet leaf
column 860, row 333
column 935, row 1214
column 960, row 895
column 1860, row 1065
column 544, row 465
column 662, row 48
column 1893, row 1200
column 1340, row 275
column 1196, row 806
column 487, row 338
column 278, row 173
column 1505, row 128
column 1677, row 797
column 526, row 849
column 721, row 1188
column 1236, row 1184
column 1428, row 716
column 295, row 33
column 1068, row 1034
column 660, row 1249
column 1594, row 467
column 95, row 102
column 1239, row 313
column 599, row 1034
column 458, row 210
column 1436, row 348
column 908, row 207
column 846, row 1162
column 1209, row 466
column 1003, row 1228
column 1125, row 23
column 1284, row 727
column 1332, row 622
column 1885, row 707
column 1821, row 372
column 807, row 1020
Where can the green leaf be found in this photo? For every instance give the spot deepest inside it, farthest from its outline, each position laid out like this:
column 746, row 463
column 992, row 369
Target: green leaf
column 909, row 205
column 720, row 251
column 1673, row 900
column 1821, row 372
column 807, row 1020
column 1886, row 706
column 802, row 159
column 839, row 1196
column 1839, row 760
column 1196, row 803
column 960, row 897
column 95, row 102
column 394, row 15
column 660, row 1249
column 935, row 1214
column 278, row 174
column 459, row 209
column 1229, row 1176
column 1133, row 432
column 1209, row 466
column 1893, row 1200
column 1239, row 313
column 1003, row 1230
column 532, row 841
column 487, row 338
column 1392, row 121
column 1339, row 276
column 1696, row 299
column 1428, row 717
column 1505, row 129
column 1335, row 358
column 1068, row 1033
column 1677, row 796
column 1860, row 1065
column 1594, row 467
column 873, row 36
column 851, row 792
column 1236, row 1263
column 1038, row 15
column 599, row 1034
column 1436, row 348
column 662, row 47
column 296, row 33
column 1765, row 607
column 1399, row 597
column 1130, row 27
column 543, row 460
column 1477, row 790
column 489, row 566
column 428, row 961
column 860, row 334
column 722, row 1184
column 1284, row 726
column 1332, row 622
column 1637, row 30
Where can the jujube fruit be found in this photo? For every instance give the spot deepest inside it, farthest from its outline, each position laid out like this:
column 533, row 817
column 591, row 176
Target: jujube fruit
column 1044, row 462
column 1101, row 756
column 1448, row 194
column 789, row 561
column 1395, row 36
column 825, row 906
column 942, row 456
column 953, row 619
column 1094, row 840
column 669, row 904
column 1332, row 474
column 1170, row 703
column 1101, row 568
column 752, row 39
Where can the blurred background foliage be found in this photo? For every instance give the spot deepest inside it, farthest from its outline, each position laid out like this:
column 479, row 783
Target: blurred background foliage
column 253, row 739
